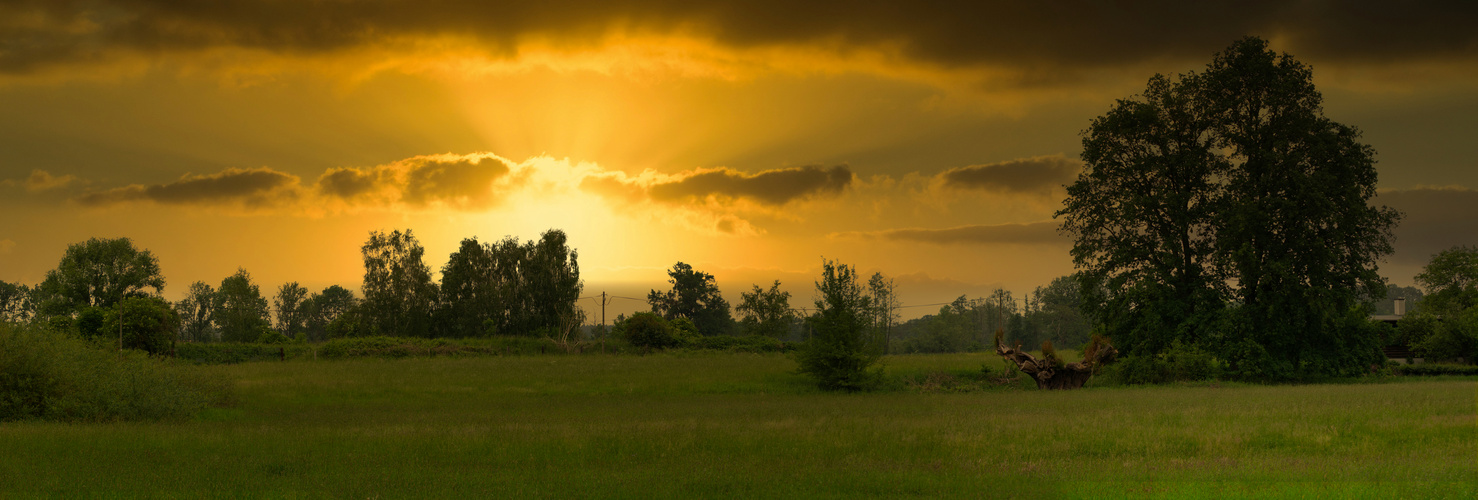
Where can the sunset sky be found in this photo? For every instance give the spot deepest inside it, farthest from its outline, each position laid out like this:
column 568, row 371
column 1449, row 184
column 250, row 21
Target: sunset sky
column 928, row 142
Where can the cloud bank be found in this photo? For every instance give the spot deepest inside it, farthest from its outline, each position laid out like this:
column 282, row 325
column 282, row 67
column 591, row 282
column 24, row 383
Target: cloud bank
column 1036, row 38
column 1042, row 174
column 250, row 188
column 1034, row 233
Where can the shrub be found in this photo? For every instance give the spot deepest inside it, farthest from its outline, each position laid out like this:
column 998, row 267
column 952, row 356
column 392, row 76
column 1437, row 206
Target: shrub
column 645, row 329
column 1435, row 369
column 51, row 376
column 273, row 337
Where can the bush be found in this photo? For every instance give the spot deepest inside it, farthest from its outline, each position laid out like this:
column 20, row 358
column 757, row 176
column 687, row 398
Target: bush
column 749, row 343
column 1179, row 363
column 51, row 376
column 645, row 329
column 1435, row 369
column 273, row 337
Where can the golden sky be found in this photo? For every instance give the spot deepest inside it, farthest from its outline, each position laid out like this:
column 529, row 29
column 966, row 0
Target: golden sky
column 928, row 141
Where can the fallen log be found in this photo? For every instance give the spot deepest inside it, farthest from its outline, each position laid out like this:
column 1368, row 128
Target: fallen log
column 1050, row 372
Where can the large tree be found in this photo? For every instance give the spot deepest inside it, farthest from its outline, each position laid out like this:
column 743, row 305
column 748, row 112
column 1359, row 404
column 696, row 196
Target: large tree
column 98, row 273
column 694, row 295
column 398, row 292
column 1222, row 209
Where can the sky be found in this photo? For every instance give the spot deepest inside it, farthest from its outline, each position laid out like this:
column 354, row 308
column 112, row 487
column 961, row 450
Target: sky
column 927, row 141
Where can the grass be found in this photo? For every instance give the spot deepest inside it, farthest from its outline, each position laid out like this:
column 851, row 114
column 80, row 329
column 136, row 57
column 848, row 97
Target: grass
column 744, row 425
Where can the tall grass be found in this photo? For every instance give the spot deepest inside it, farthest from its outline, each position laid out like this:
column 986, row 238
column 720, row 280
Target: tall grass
column 51, row 376
column 719, row 425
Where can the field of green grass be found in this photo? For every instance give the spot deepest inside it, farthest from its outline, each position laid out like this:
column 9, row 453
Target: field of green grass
column 714, row 425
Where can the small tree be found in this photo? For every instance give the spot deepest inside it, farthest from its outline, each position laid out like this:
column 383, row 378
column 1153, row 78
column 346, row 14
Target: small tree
column 148, row 324
column 766, row 312
column 197, row 313
column 840, row 353
column 291, row 317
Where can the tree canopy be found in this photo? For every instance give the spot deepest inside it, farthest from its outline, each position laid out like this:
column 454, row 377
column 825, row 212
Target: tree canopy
column 694, row 295
column 98, row 273
column 1222, row 209
column 766, row 312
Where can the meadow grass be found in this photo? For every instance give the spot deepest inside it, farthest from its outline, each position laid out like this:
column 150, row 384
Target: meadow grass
column 745, row 425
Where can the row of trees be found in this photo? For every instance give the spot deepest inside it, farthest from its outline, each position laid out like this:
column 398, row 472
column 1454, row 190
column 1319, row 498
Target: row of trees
column 1053, row 312
column 508, row 288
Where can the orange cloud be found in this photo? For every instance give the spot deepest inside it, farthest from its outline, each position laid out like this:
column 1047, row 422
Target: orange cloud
column 255, row 188
column 464, row 182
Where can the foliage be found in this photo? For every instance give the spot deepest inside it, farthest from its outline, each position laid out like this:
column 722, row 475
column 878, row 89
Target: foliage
column 954, row 329
column 1056, row 312
column 766, row 312
column 509, row 288
column 884, row 295
column 1180, row 363
column 197, row 313
column 1451, row 280
column 51, row 376
column 97, row 273
column 273, row 337
column 241, row 311
column 648, row 330
column 148, row 324
column 17, row 304
column 289, row 304
column 1435, row 369
column 694, row 295
column 749, row 343
column 684, row 332
column 1231, row 187
column 398, row 293
column 324, row 309
column 840, row 353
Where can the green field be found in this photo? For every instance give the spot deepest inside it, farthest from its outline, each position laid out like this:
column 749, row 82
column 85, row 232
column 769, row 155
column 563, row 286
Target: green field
column 705, row 425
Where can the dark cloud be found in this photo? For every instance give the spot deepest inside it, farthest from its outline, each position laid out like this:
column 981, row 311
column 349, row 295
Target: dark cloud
column 1028, row 175
column 771, row 187
column 458, row 181
column 1037, row 37
column 1035, row 233
column 1436, row 219
column 253, row 188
